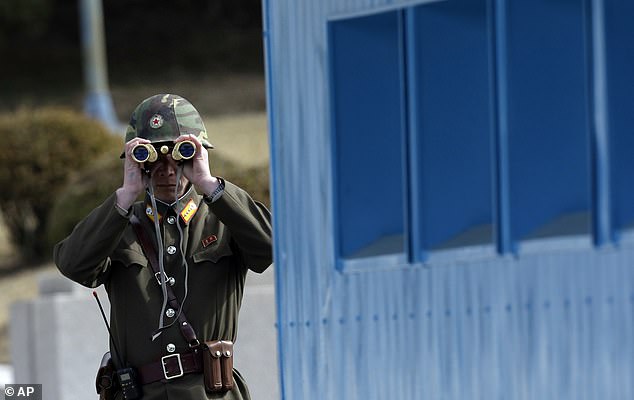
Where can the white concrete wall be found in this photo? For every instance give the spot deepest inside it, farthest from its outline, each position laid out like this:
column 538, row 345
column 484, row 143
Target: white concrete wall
column 58, row 339
column 256, row 345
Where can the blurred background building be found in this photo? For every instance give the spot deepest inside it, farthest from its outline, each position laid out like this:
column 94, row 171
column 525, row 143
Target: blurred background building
column 148, row 43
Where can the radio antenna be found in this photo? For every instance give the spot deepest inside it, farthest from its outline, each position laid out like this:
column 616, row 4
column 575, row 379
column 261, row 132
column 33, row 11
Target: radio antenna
column 116, row 351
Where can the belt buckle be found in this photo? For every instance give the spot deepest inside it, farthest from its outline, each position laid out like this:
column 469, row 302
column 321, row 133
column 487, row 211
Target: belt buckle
column 180, row 366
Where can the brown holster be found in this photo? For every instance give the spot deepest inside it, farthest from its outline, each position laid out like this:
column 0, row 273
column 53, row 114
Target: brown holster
column 106, row 380
column 218, row 365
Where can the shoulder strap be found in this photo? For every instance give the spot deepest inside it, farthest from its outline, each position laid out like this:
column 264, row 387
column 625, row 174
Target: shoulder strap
column 150, row 252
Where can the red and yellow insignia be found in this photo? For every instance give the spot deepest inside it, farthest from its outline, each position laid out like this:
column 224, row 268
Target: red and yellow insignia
column 189, row 211
column 209, row 240
column 149, row 211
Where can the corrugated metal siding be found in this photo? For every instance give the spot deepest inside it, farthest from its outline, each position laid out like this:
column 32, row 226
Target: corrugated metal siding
column 547, row 326
column 544, row 326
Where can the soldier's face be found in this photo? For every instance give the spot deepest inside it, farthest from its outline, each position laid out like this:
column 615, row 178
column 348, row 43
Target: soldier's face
column 163, row 173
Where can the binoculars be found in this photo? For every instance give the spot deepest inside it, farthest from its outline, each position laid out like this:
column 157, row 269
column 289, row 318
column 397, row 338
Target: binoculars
column 148, row 153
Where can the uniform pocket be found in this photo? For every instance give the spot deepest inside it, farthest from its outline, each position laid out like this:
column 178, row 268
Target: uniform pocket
column 129, row 257
column 213, row 254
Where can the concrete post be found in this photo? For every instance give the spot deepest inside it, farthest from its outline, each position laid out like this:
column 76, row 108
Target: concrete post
column 98, row 102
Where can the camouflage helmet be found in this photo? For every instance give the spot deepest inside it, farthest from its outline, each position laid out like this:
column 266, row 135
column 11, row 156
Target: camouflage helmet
column 164, row 117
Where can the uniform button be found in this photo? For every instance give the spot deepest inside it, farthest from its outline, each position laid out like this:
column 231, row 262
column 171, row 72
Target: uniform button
column 171, row 348
column 171, row 249
column 170, row 312
column 171, row 220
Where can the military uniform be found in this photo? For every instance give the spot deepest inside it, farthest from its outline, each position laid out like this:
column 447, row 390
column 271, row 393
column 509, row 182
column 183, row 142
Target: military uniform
column 222, row 240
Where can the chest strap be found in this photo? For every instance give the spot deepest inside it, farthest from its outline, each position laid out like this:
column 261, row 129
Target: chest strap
column 150, row 252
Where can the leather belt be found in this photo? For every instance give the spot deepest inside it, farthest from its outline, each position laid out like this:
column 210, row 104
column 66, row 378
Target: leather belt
column 171, row 366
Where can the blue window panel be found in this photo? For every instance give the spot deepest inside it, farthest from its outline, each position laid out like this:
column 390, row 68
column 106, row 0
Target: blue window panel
column 450, row 104
column 548, row 134
column 619, row 38
column 366, row 63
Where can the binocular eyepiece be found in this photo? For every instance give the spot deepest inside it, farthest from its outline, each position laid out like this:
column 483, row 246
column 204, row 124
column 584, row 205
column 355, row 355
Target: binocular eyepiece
column 143, row 152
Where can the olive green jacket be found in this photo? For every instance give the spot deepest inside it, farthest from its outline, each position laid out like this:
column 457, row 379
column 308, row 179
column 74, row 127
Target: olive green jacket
column 222, row 241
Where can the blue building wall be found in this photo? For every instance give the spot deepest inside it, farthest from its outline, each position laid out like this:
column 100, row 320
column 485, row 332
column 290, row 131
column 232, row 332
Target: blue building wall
column 541, row 304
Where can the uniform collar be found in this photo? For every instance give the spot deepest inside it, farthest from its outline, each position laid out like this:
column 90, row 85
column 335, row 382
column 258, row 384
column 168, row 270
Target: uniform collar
column 186, row 206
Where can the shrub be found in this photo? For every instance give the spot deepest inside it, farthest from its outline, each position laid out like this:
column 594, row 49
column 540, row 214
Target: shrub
column 82, row 194
column 41, row 149
column 254, row 180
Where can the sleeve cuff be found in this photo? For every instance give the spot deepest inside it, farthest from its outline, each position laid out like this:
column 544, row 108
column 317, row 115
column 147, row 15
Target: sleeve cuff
column 121, row 211
column 216, row 193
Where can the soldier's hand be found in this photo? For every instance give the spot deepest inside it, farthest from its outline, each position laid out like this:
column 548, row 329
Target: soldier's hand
column 197, row 170
column 133, row 184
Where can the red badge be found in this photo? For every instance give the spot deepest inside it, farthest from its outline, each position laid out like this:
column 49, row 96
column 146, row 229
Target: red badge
column 156, row 121
column 209, row 240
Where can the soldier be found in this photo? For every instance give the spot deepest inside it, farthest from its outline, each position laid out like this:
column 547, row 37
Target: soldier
column 174, row 265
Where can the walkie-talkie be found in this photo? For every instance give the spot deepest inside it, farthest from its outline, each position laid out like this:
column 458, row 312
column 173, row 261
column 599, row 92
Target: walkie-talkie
column 130, row 388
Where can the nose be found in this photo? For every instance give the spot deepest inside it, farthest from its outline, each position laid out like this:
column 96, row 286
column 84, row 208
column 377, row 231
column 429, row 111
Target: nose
column 165, row 166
